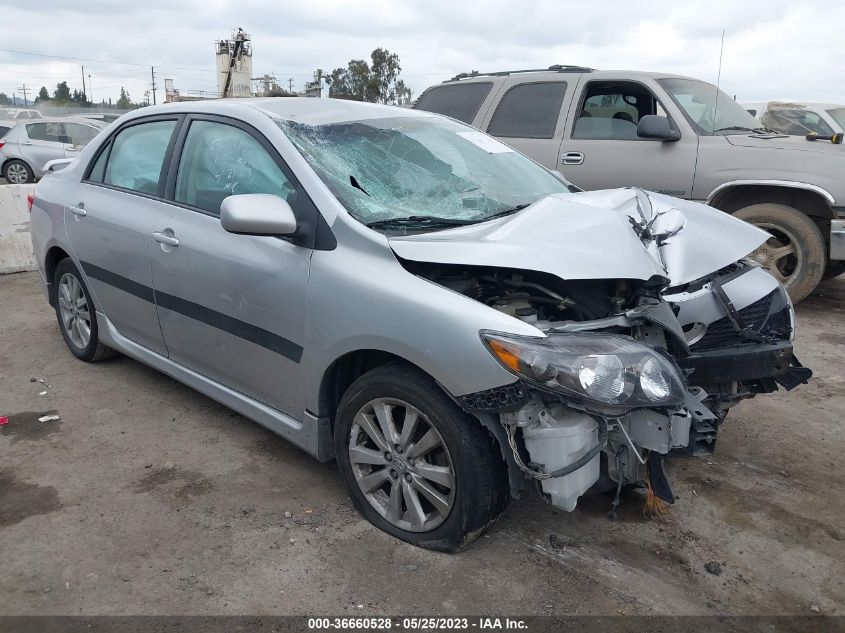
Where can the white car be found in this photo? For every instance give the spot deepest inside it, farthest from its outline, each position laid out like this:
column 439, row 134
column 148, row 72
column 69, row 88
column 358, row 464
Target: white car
column 798, row 118
column 29, row 145
column 20, row 113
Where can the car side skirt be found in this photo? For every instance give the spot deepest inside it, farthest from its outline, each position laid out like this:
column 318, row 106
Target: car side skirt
column 311, row 434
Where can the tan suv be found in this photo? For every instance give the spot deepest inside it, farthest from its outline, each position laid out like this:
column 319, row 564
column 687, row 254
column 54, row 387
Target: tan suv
column 673, row 135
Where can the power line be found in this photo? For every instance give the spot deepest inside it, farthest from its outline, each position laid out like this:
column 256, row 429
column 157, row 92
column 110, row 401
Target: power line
column 100, row 61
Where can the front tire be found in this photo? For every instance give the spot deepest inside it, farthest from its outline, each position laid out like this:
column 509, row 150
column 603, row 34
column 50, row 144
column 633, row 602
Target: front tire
column 17, row 172
column 795, row 253
column 76, row 315
column 416, row 465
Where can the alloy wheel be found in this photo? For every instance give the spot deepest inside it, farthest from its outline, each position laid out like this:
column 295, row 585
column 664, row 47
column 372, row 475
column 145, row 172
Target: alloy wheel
column 779, row 254
column 402, row 465
column 17, row 174
column 73, row 307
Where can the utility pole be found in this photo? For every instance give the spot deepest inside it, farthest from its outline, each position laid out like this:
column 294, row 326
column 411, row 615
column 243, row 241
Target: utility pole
column 84, row 96
column 23, row 89
column 290, row 85
column 153, row 72
column 91, row 88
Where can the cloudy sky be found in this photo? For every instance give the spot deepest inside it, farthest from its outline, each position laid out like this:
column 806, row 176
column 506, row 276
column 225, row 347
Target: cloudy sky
column 774, row 49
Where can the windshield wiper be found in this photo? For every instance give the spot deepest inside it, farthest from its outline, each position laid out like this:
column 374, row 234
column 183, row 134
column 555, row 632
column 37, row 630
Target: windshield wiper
column 504, row 212
column 418, row 220
column 738, row 128
column 426, row 220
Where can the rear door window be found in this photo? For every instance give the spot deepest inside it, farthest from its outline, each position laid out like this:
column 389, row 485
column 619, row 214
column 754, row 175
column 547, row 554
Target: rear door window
column 136, row 157
column 460, row 101
column 529, row 111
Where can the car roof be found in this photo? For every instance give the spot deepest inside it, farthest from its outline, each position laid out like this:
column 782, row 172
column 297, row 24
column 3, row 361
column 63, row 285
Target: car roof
column 307, row 110
column 556, row 72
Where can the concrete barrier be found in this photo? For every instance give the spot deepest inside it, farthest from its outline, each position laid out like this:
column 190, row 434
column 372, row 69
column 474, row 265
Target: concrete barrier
column 15, row 244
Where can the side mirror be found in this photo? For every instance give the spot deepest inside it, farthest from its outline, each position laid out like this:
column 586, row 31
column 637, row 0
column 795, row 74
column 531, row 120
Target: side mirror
column 657, row 127
column 257, row 214
column 57, row 164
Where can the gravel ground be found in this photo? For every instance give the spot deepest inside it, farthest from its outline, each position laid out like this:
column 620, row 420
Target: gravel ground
column 148, row 498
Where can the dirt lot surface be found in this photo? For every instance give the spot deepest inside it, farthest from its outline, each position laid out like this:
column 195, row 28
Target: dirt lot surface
column 146, row 497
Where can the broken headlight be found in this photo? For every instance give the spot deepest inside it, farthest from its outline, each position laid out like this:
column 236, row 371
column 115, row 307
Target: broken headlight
column 609, row 369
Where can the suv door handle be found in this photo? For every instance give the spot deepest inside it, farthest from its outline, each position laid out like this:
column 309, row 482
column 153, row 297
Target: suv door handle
column 79, row 211
column 572, row 158
column 161, row 238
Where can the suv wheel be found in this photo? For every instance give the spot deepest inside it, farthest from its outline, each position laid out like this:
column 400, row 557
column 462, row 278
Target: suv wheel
column 416, row 465
column 17, row 172
column 75, row 313
column 795, row 253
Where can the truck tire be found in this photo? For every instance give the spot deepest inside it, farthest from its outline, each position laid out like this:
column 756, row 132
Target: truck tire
column 439, row 484
column 795, row 253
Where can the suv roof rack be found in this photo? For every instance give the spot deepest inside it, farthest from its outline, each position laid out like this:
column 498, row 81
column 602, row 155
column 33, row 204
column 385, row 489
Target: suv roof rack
column 560, row 68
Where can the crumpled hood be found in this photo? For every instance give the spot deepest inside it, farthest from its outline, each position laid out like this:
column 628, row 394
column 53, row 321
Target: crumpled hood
column 595, row 235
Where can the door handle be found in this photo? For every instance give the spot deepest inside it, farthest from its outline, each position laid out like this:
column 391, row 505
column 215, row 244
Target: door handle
column 161, row 238
column 26, row 143
column 572, row 158
column 79, row 211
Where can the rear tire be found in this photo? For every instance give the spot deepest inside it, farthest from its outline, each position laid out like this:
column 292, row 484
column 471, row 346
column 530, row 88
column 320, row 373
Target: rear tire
column 469, row 498
column 796, row 254
column 76, row 314
column 17, row 172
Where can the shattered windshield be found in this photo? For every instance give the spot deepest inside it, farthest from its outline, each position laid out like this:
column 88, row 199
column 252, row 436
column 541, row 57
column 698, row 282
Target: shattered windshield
column 838, row 115
column 420, row 169
column 709, row 109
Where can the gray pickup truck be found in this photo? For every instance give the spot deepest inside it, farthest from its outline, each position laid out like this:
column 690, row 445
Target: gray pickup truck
column 673, row 135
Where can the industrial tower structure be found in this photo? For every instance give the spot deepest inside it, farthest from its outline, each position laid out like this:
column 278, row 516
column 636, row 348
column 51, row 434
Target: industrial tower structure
column 234, row 65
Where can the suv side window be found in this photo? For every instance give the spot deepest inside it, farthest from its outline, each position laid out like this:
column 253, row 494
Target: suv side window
column 49, row 132
column 220, row 160
column 611, row 110
column 460, row 101
column 529, row 111
column 135, row 158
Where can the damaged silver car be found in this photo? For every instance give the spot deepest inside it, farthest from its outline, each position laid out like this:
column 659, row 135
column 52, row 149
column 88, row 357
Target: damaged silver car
column 400, row 292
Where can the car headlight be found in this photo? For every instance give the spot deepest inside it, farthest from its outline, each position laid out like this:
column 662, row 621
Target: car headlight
column 608, row 369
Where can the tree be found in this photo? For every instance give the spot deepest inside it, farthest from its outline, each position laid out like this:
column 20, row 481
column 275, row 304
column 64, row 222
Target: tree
column 124, row 103
column 79, row 98
column 43, row 95
column 383, row 74
column 377, row 81
column 4, row 99
column 62, row 93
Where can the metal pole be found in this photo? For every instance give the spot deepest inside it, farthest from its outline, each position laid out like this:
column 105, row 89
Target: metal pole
column 84, row 96
column 91, row 88
column 153, row 72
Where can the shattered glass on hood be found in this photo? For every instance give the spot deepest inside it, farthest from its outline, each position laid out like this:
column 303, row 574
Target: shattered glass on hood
column 431, row 167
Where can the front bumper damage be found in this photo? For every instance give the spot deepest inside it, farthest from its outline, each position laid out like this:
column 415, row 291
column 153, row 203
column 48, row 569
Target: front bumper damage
column 728, row 348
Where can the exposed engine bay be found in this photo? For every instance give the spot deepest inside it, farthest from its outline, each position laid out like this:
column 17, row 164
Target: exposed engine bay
column 625, row 370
